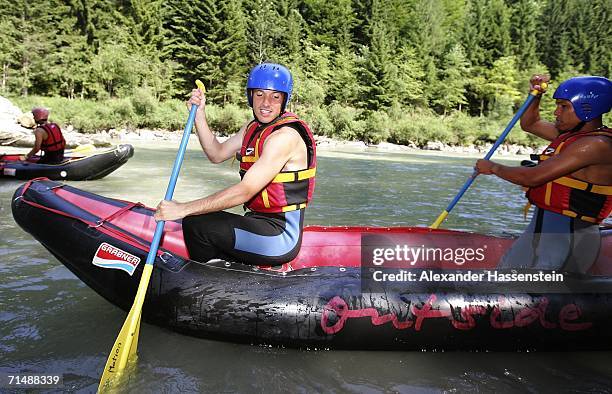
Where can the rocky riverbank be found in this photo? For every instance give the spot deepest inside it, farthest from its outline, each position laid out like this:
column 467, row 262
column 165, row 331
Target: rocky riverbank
column 16, row 131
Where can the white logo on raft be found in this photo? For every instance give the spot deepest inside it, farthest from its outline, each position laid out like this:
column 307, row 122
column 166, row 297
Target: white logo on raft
column 249, row 151
column 10, row 171
column 108, row 256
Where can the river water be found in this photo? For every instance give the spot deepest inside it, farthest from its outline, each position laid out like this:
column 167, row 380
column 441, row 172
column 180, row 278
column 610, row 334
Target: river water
column 50, row 322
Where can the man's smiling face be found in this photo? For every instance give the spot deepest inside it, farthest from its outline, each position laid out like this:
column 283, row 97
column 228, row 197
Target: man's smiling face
column 267, row 104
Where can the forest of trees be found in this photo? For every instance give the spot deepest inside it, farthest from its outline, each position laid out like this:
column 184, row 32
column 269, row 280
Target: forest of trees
column 365, row 63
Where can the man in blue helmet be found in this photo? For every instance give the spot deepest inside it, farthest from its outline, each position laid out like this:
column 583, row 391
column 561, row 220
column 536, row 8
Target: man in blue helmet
column 571, row 186
column 277, row 155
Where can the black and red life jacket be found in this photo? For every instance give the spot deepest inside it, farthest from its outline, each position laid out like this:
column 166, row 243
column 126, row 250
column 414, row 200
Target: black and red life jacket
column 289, row 190
column 570, row 196
column 55, row 140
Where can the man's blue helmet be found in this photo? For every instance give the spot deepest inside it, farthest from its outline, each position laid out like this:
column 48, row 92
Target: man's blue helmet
column 270, row 76
column 591, row 97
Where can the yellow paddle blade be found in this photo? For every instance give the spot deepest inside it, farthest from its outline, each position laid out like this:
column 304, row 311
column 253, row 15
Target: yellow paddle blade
column 126, row 344
column 134, row 350
column 82, row 149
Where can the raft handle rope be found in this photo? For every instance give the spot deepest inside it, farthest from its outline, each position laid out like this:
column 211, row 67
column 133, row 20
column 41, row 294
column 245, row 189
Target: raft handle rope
column 100, row 224
column 117, row 213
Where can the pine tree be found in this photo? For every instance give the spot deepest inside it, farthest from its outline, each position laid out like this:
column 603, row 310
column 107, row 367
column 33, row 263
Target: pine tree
column 473, row 32
column 524, row 26
column 378, row 59
column 450, row 90
column 501, row 87
column 193, row 31
column 496, row 35
column 344, row 83
column 232, row 48
column 554, row 36
column 330, row 23
column 591, row 36
column 9, row 45
column 263, row 32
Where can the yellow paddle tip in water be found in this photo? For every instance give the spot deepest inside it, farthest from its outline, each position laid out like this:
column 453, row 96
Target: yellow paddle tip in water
column 126, row 344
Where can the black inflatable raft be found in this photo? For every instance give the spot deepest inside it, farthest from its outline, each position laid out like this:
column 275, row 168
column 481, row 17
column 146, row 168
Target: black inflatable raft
column 75, row 168
column 327, row 297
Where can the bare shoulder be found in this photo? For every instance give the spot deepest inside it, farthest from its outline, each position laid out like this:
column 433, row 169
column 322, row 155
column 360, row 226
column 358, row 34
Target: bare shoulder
column 286, row 134
column 596, row 148
column 599, row 142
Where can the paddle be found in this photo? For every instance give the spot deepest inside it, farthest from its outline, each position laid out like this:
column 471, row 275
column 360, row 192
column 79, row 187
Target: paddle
column 532, row 95
column 127, row 341
column 81, row 149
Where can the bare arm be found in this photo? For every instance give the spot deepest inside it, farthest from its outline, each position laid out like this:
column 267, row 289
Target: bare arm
column 216, row 151
column 279, row 148
column 580, row 154
column 531, row 121
column 40, row 135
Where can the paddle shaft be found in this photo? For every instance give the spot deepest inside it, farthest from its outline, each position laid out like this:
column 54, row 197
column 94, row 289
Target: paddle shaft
column 532, row 95
column 127, row 340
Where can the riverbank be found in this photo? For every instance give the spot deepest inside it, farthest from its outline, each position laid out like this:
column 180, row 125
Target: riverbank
column 15, row 137
column 109, row 138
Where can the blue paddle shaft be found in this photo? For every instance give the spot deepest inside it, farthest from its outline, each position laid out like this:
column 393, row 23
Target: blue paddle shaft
column 496, row 145
column 159, row 229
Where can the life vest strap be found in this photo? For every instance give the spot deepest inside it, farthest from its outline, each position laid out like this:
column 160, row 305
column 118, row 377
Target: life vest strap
column 295, row 176
column 573, row 214
column 294, row 207
column 581, row 185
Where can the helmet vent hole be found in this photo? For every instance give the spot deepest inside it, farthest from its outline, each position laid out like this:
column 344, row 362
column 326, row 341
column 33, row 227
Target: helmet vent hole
column 586, row 107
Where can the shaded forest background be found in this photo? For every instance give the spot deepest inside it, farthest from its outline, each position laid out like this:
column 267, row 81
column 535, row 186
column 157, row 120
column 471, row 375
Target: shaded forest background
column 405, row 71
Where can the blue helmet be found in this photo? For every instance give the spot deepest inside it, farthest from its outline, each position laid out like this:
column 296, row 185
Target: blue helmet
column 591, row 97
column 270, row 76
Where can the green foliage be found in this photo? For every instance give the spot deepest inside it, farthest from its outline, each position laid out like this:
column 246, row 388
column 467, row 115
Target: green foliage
column 143, row 101
column 501, row 87
column 228, row 119
column 319, row 121
column 370, row 70
column 378, row 126
column 450, row 90
column 346, row 122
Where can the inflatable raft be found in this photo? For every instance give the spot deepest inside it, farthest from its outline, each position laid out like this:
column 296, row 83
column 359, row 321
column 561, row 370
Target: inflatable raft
column 335, row 293
column 74, row 168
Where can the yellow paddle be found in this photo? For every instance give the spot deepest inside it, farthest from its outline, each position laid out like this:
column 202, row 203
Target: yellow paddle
column 126, row 343
column 81, row 149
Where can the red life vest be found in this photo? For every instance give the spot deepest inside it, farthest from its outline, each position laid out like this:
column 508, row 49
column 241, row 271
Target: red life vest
column 570, row 196
column 55, row 139
column 289, row 190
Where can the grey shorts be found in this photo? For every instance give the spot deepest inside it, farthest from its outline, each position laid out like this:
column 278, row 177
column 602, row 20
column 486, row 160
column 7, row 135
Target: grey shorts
column 554, row 242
